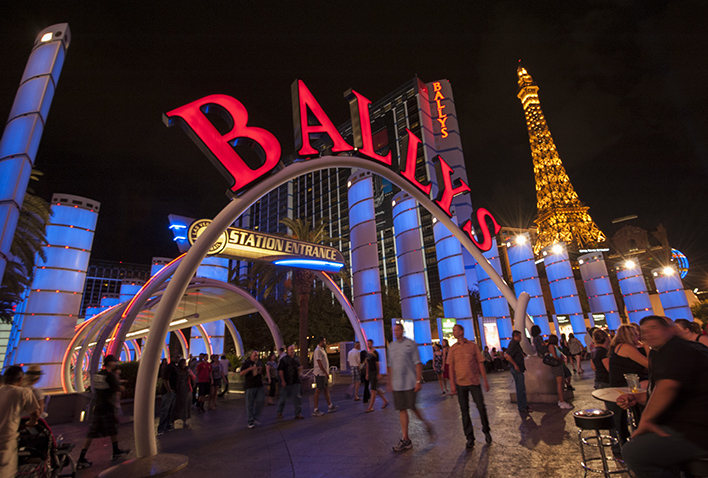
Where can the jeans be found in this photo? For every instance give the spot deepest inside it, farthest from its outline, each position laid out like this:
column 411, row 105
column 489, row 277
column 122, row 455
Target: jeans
column 288, row 391
column 652, row 456
column 255, row 398
column 166, row 406
column 463, row 393
column 367, row 392
column 520, row 383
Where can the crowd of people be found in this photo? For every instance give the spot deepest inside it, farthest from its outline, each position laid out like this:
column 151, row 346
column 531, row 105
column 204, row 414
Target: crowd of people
column 670, row 360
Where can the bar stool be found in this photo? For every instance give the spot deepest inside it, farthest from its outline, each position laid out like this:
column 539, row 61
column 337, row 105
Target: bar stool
column 596, row 420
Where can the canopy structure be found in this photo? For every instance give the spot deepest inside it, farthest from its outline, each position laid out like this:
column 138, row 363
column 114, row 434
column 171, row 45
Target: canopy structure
column 205, row 300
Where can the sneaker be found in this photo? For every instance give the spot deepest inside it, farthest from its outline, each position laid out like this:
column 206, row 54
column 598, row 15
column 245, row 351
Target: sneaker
column 299, row 417
column 470, row 444
column 403, row 445
column 317, row 413
column 565, row 405
column 81, row 464
column 526, row 410
column 251, row 425
column 332, row 408
column 488, row 438
column 118, row 453
column 160, row 433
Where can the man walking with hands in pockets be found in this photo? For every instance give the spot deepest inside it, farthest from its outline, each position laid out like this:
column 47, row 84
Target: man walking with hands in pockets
column 467, row 372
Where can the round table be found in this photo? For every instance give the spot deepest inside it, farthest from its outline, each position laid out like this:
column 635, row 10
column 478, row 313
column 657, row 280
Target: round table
column 610, row 394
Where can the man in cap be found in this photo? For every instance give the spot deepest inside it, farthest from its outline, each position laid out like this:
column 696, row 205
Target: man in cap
column 104, row 417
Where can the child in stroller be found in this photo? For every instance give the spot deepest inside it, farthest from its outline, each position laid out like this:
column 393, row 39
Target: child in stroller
column 39, row 453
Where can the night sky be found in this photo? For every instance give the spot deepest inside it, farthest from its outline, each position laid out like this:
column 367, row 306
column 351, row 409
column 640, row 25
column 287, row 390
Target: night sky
column 623, row 86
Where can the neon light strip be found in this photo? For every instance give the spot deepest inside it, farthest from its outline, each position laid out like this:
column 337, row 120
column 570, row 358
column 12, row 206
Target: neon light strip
column 310, row 264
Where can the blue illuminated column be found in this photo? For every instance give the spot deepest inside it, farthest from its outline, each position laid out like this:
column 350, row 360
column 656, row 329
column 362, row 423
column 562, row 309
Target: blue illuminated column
column 673, row 297
column 212, row 268
column 598, row 288
column 453, row 281
column 20, row 140
column 366, row 284
column 51, row 310
column 109, row 300
column 493, row 302
column 130, row 287
column 411, row 271
column 634, row 291
column 563, row 289
column 525, row 276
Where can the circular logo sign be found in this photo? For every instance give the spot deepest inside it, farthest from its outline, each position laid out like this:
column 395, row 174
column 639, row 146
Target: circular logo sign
column 196, row 230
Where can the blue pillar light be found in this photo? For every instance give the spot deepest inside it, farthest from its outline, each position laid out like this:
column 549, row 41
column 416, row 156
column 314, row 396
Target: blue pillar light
column 673, row 297
column 366, row 284
column 494, row 305
column 524, row 273
column 598, row 288
column 634, row 291
column 50, row 312
column 212, row 268
column 23, row 132
column 411, row 271
column 453, row 279
column 563, row 290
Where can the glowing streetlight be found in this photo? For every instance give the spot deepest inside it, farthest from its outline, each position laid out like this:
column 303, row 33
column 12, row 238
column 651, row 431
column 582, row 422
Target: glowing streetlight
column 520, row 239
column 669, row 271
column 557, row 248
column 630, row 265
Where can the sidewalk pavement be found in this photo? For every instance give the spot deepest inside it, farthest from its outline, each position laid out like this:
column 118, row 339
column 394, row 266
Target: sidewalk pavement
column 349, row 442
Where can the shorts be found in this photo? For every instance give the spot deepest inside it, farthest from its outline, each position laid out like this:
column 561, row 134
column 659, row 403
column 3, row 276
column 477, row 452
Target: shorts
column 373, row 381
column 566, row 371
column 321, row 382
column 103, row 424
column 558, row 371
column 203, row 388
column 356, row 375
column 404, row 399
column 216, row 383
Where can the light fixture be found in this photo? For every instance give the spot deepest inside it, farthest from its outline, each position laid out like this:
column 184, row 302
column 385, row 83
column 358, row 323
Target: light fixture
column 393, row 203
column 520, row 239
column 435, row 219
column 47, row 36
column 349, row 184
column 630, row 265
column 557, row 248
column 668, row 270
column 580, row 262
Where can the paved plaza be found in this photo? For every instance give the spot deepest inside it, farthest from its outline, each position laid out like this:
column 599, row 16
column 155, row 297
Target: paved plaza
column 349, row 442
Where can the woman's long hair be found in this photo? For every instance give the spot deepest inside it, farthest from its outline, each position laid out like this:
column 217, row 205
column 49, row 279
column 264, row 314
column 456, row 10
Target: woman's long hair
column 625, row 335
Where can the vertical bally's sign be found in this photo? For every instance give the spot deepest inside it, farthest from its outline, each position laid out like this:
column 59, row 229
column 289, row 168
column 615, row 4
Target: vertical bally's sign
column 308, row 119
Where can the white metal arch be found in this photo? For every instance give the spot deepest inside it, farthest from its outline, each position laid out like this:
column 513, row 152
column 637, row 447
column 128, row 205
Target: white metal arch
column 145, row 442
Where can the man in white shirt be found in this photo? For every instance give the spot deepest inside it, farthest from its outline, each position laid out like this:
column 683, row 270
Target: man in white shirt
column 15, row 402
column 321, row 377
column 354, row 361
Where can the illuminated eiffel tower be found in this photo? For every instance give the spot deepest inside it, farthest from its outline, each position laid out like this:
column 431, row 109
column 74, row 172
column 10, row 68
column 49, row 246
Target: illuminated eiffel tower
column 561, row 218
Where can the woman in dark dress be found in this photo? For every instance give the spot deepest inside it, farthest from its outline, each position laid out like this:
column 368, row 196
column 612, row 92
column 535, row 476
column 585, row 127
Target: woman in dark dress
column 183, row 399
column 602, row 344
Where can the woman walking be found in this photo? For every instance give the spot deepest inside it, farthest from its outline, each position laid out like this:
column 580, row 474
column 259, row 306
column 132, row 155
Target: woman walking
column 372, row 372
column 271, row 378
column 438, row 366
column 186, row 381
column 576, row 351
column 558, row 370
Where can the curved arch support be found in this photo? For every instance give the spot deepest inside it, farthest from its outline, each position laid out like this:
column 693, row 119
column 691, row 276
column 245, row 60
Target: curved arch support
column 238, row 343
column 206, row 339
column 346, row 305
column 145, row 442
column 182, row 343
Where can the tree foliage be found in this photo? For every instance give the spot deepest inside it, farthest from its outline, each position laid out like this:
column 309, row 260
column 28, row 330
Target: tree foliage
column 27, row 243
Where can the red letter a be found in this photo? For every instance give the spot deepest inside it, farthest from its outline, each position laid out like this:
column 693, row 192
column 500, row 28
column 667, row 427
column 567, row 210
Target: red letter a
column 219, row 148
column 302, row 101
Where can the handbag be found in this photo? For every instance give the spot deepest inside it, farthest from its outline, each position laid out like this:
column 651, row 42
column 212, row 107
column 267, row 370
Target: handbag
column 551, row 361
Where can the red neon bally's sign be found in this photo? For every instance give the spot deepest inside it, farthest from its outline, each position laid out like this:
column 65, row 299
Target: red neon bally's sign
column 219, row 148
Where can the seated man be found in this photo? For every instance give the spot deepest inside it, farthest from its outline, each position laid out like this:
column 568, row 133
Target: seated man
column 672, row 430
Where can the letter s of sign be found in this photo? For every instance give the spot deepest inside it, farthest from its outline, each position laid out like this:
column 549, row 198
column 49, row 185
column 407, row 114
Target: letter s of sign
column 219, row 148
column 486, row 243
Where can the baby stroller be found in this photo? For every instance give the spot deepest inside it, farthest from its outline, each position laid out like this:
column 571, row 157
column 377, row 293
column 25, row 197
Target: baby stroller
column 39, row 455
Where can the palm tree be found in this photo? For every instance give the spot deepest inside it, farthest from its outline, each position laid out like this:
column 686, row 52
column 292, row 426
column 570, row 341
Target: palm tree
column 264, row 278
column 27, row 243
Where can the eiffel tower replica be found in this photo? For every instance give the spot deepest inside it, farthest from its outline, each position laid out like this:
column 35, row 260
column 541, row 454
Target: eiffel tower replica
column 561, row 217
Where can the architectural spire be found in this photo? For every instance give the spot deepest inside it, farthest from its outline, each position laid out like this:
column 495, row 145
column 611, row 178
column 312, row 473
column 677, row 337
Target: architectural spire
column 561, row 217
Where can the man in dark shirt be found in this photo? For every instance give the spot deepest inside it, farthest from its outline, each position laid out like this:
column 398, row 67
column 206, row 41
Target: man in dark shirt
column 252, row 373
column 170, row 377
column 289, row 370
column 515, row 356
column 672, row 430
column 104, row 417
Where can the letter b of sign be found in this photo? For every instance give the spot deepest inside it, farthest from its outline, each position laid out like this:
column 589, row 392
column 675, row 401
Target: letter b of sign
column 219, row 148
